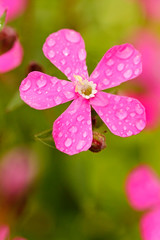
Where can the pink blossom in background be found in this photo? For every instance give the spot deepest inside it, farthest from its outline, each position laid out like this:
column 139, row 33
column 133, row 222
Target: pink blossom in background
column 151, row 8
column 5, row 232
column 17, row 172
column 72, row 131
column 143, row 192
column 14, row 8
column 149, row 46
column 11, row 51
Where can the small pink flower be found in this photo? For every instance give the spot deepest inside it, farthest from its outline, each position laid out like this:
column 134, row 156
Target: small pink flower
column 72, row 131
column 11, row 51
column 4, row 233
column 143, row 192
column 14, row 8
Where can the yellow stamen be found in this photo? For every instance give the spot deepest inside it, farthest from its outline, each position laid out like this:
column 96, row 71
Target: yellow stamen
column 79, row 79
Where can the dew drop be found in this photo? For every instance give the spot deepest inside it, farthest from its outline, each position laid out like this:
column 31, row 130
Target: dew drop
column 54, row 81
column 132, row 114
column 73, row 129
column 60, row 134
column 124, row 52
column 110, row 62
column 68, row 95
column 137, row 59
column 138, row 109
column 114, row 128
column 26, row 85
column 80, row 118
column 63, row 61
column 66, row 52
column 63, row 82
column 108, row 72
column 58, row 89
column 51, row 54
column 106, row 81
column 41, row 82
column 80, row 145
column 58, row 100
column 136, row 72
column 95, row 75
column 82, row 54
column 120, row 66
column 128, row 73
column 89, row 122
column 140, row 124
column 72, row 36
column 51, row 42
column 68, row 142
column 129, row 133
column 85, row 134
column 121, row 114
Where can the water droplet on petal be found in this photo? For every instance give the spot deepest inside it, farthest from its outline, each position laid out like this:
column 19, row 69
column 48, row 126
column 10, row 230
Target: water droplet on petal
column 137, row 72
column 120, row 66
column 129, row 133
column 108, row 72
column 72, row 36
column 58, row 89
column 63, row 82
column 95, row 74
column 58, row 100
column 68, row 95
column 26, row 85
column 128, row 73
column 140, row 124
column 60, row 134
column 63, row 61
column 85, row 134
column 139, row 109
column 114, row 128
column 137, row 59
column 68, row 142
column 89, row 122
column 41, row 82
column 66, row 52
column 80, row 118
column 80, row 145
column 82, row 54
column 73, row 129
column 121, row 114
column 67, row 71
column 106, row 81
column 132, row 114
column 51, row 42
column 51, row 54
column 124, row 52
column 110, row 62
column 54, row 81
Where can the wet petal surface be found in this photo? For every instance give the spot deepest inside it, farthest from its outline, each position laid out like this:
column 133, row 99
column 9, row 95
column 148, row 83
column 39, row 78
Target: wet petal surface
column 143, row 188
column 124, row 116
column 121, row 63
column 41, row 91
column 72, row 131
column 66, row 50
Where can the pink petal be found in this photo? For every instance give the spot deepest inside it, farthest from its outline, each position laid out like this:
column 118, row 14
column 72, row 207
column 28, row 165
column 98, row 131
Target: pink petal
column 121, row 63
column 66, row 50
column 41, row 91
column 72, row 131
column 14, row 8
column 143, row 188
column 124, row 116
column 12, row 58
column 150, row 225
column 4, row 232
column 151, row 8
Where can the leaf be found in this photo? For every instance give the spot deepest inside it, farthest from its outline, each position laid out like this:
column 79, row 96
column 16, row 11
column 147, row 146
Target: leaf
column 2, row 20
column 46, row 138
column 15, row 102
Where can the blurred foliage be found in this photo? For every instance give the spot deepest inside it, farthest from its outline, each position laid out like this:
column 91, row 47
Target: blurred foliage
column 81, row 196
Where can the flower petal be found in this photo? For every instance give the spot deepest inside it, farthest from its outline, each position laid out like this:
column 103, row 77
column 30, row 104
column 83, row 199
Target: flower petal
column 143, row 188
column 4, row 232
column 72, row 131
column 150, row 225
column 124, row 116
column 121, row 63
column 12, row 58
column 66, row 50
column 41, row 91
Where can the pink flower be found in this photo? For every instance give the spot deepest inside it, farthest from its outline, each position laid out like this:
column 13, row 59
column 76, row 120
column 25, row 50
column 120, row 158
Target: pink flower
column 14, row 8
column 143, row 192
column 11, row 51
column 72, row 131
column 149, row 46
column 4, row 233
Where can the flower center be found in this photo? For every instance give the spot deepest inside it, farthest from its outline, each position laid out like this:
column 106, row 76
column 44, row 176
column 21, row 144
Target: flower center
column 85, row 88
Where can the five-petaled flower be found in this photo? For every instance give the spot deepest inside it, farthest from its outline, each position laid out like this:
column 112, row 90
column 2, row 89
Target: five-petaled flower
column 143, row 192
column 72, row 131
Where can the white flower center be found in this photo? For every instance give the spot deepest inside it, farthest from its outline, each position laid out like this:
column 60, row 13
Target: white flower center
column 85, row 88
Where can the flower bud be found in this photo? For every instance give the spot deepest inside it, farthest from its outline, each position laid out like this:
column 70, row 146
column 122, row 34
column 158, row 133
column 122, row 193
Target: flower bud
column 7, row 39
column 34, row 66
column 98, row 142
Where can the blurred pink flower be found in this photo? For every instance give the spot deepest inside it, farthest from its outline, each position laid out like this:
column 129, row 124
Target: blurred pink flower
column 72, row 131
column 149, row 46
column 143, row 192
column 11, row 51
column 14, row 8
column 17, row 172
column 4, row 233
column 151, row 8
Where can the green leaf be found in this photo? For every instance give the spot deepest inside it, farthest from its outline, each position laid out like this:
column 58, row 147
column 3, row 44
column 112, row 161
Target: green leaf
column 15, row 102
column 46, row 138
column 2, row 20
